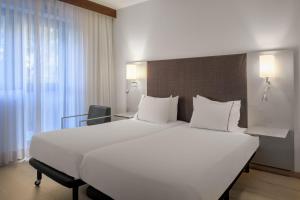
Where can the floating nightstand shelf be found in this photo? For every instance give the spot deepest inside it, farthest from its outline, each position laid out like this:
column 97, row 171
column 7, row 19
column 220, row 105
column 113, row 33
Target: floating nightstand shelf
column 268, row 132
column 275, row 149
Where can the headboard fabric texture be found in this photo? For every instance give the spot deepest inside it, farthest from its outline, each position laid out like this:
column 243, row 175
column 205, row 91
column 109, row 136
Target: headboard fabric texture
column 221, row 78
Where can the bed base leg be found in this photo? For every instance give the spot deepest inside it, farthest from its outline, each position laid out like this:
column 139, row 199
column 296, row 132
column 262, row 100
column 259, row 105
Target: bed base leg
column 226, row 195
column 247, row 168
column 75, row 193
column 38, row 178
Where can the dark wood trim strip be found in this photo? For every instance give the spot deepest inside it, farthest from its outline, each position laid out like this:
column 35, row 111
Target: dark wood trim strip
column 93, row 6
column 296, row 175
column 275, row 170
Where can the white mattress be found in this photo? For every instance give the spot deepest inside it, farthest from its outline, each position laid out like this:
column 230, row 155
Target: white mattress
column 64, row 149
column 175, row 164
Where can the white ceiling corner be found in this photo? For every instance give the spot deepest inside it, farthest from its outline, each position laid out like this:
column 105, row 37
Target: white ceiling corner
column 118, row 4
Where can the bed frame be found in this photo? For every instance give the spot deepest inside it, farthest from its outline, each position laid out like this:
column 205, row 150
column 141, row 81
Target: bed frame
column 221, row 78
column 57, row 176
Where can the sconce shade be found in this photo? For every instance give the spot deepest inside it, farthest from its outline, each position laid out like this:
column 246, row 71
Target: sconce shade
column 131, row 72
column 267, row 66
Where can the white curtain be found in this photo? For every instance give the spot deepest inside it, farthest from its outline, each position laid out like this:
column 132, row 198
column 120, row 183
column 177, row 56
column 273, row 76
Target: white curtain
column 55, row 60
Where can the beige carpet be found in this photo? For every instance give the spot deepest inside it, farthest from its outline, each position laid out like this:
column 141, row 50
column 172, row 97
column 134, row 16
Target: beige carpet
column 17, row 183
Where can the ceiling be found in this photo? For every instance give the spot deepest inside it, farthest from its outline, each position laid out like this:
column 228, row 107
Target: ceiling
column 118, row 4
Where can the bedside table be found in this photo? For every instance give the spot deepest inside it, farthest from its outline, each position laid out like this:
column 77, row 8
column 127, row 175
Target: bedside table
column 127, row 115
column 276, row 148
column 268, row 132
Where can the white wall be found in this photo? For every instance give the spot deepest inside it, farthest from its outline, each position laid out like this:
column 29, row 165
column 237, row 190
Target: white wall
column 297, row 93
column 161, row 29
column 278, row 111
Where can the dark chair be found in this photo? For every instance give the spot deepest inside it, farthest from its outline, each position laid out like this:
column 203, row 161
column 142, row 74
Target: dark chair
column 96, row 115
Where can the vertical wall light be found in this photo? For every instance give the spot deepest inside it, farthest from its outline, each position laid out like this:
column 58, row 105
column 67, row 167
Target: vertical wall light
column 131, row 72
column 267, row 71
column 135, row 71
column 131, row 76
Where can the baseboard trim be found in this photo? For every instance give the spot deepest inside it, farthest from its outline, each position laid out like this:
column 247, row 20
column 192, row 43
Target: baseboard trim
column 274, row 170
column 296, row 175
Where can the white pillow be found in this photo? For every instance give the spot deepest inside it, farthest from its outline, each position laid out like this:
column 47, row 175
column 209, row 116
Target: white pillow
column 173, row 108
column 234, row 115
column 209, row 114
column 136, row 114
column 154, row 109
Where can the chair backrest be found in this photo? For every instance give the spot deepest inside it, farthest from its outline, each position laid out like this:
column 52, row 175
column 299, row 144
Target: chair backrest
column 96, row 111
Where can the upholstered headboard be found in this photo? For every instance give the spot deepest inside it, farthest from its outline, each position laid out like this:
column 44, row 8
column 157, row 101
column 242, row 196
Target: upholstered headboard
column 221, row 78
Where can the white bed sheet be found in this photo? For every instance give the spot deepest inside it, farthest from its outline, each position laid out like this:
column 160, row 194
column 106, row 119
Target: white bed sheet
column 64, row 149
column 175, row 164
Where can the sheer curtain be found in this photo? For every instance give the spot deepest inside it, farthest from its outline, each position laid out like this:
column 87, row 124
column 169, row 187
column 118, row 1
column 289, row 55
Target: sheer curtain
column 55, row 60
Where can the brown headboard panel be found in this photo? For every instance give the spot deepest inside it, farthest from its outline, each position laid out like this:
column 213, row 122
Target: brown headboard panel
column 221, row 78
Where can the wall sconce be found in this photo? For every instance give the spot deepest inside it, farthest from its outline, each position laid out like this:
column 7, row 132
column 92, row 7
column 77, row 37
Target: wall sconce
column 131, row 72
column 267, row 71
column 135, row 71
column 131, row 75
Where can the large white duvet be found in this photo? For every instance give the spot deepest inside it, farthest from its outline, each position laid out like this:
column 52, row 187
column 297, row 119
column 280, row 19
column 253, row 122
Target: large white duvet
column 65, row 149
column 175, row 164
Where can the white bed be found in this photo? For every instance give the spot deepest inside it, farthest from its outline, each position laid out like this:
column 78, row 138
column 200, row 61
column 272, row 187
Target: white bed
column 64, row 149
column 175, row 164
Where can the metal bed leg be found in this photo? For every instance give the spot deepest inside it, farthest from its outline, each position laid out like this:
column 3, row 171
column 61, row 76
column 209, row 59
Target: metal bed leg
column 226, row 195
column 75, row 193
column 38, row 178
column 247, row 168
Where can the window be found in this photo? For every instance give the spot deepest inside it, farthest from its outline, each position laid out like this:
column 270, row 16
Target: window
column 37, row 85
column 55, row 60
